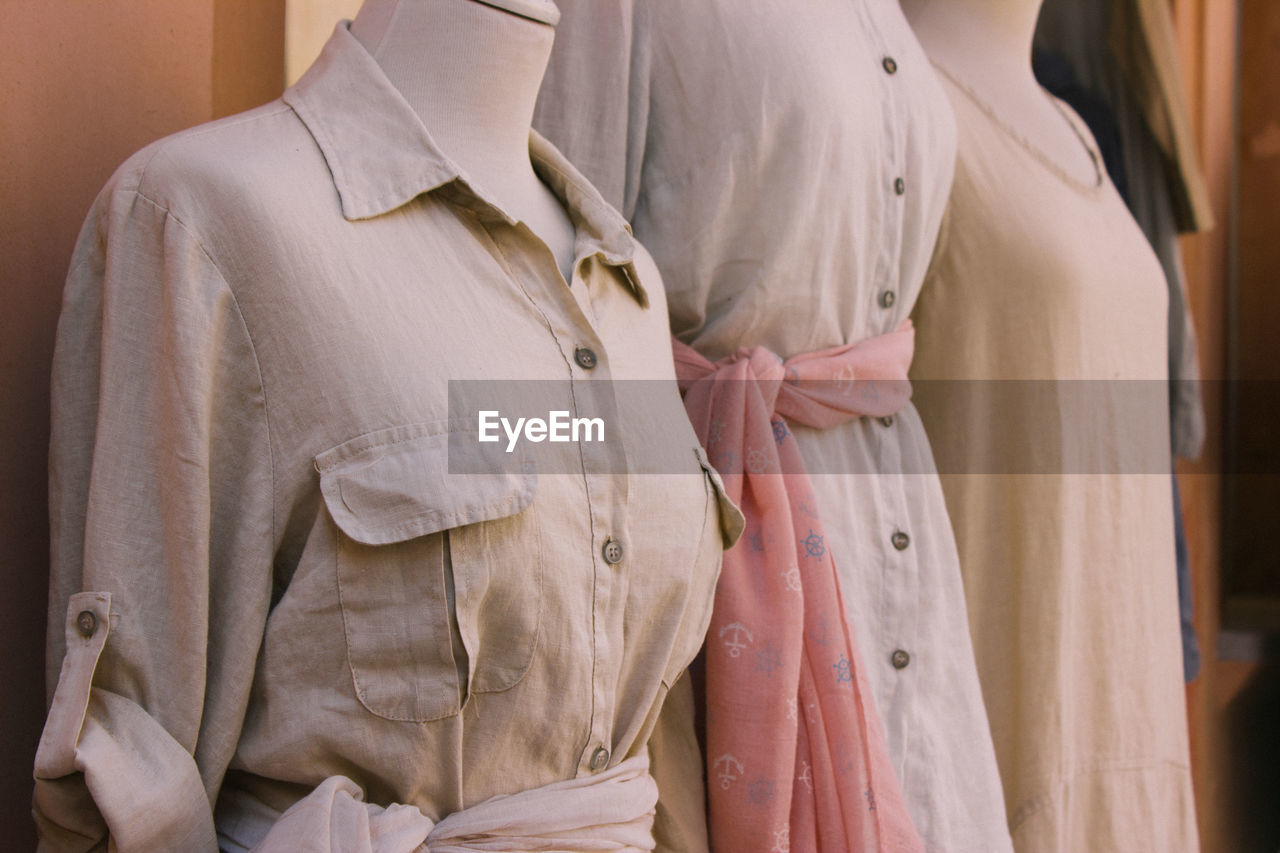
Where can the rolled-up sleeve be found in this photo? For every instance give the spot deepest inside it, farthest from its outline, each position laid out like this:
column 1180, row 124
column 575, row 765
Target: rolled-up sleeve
column 162, row 528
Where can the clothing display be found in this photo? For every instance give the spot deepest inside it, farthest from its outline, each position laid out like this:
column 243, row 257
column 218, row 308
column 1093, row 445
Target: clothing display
column 1045, row 312
column 272, row 582
column 788, row 167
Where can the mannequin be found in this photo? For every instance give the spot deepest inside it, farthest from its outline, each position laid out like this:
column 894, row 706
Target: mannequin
column 986, row 45
column 788, row 167
column 479, row 110
column 291, row 625
column 1041, row 330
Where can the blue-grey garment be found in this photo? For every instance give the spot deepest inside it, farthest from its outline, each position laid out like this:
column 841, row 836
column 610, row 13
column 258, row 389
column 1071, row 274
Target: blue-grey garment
column 1190, row 647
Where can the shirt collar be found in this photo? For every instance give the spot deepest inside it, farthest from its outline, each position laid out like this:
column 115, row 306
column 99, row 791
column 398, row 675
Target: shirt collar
column 381, row 156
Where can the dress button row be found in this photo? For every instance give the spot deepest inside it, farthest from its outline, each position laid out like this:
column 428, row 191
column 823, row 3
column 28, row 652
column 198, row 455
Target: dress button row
column 612, row 551
column 890, row 66
column 599, row 758
column 886, row 421
column 900, row 540
column 586, row 358
column 899, row 185
column 900, row 659
column 888, row 298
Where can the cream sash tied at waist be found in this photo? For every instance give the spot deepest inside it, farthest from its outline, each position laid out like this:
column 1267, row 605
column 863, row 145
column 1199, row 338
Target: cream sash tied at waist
column 609, row 811
column 796, row 755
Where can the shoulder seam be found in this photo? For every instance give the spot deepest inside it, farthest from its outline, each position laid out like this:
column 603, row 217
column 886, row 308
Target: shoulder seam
column 164, row 144
column 253, row 347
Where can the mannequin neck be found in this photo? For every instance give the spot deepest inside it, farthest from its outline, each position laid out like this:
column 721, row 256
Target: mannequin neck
column 472, row 72
column 988, row 42
column 985, row 45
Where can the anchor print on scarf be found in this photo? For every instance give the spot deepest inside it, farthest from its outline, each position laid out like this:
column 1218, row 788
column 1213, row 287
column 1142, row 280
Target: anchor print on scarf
column 797, row 758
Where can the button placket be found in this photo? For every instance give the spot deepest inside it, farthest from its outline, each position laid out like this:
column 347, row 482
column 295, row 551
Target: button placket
column 608, row 595
column 604, row 487
column 605, row 482
column 895, row 123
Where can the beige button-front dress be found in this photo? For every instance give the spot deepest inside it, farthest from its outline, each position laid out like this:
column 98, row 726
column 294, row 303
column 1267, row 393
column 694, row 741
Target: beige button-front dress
column 788, row 165
column 1043, row 318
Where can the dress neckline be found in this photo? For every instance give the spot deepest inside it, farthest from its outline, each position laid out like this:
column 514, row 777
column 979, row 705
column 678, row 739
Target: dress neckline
column 1030, row 147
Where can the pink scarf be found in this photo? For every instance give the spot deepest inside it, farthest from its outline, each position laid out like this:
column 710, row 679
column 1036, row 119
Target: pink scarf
column 796, row 754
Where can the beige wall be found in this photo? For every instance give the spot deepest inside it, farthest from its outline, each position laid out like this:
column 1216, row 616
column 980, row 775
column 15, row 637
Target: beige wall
column 82, row 85
column 309, row 23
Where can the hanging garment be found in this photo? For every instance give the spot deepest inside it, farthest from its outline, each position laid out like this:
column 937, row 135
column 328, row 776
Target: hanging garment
column 1043, row 315
column 270, row 574
column 788, row 166
column 1144, row 44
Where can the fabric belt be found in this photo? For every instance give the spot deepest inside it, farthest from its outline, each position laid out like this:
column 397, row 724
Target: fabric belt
column 796, row 755
column 609, row 811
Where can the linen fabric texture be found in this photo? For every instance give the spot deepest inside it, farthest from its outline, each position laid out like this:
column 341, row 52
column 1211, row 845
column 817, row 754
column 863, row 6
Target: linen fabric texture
column 1068, row 568
column 799, row 711
column 756, row 148
column 611, row 811
column 1134, row 72
column 1145, row 93
column 269, row 577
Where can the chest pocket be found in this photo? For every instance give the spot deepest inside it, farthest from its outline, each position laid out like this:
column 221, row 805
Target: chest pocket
column 439, row 575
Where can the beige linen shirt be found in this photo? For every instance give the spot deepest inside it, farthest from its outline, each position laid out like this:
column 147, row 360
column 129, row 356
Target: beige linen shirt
column 788, row 165
column 268, row 574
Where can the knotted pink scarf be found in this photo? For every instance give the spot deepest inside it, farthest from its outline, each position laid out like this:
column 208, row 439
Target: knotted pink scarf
column 796, row 754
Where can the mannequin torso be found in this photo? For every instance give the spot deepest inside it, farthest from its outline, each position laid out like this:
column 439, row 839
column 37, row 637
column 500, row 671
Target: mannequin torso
column 985, row 47
column 472, row 72
column 788, row 166
column 1043, row 276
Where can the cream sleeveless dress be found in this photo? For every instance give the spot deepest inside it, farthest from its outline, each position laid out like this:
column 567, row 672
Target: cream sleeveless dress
column 1046, row 309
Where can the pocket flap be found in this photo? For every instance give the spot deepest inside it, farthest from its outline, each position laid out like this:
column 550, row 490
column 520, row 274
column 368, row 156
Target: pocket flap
column 394, row 485
column 732, row 521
